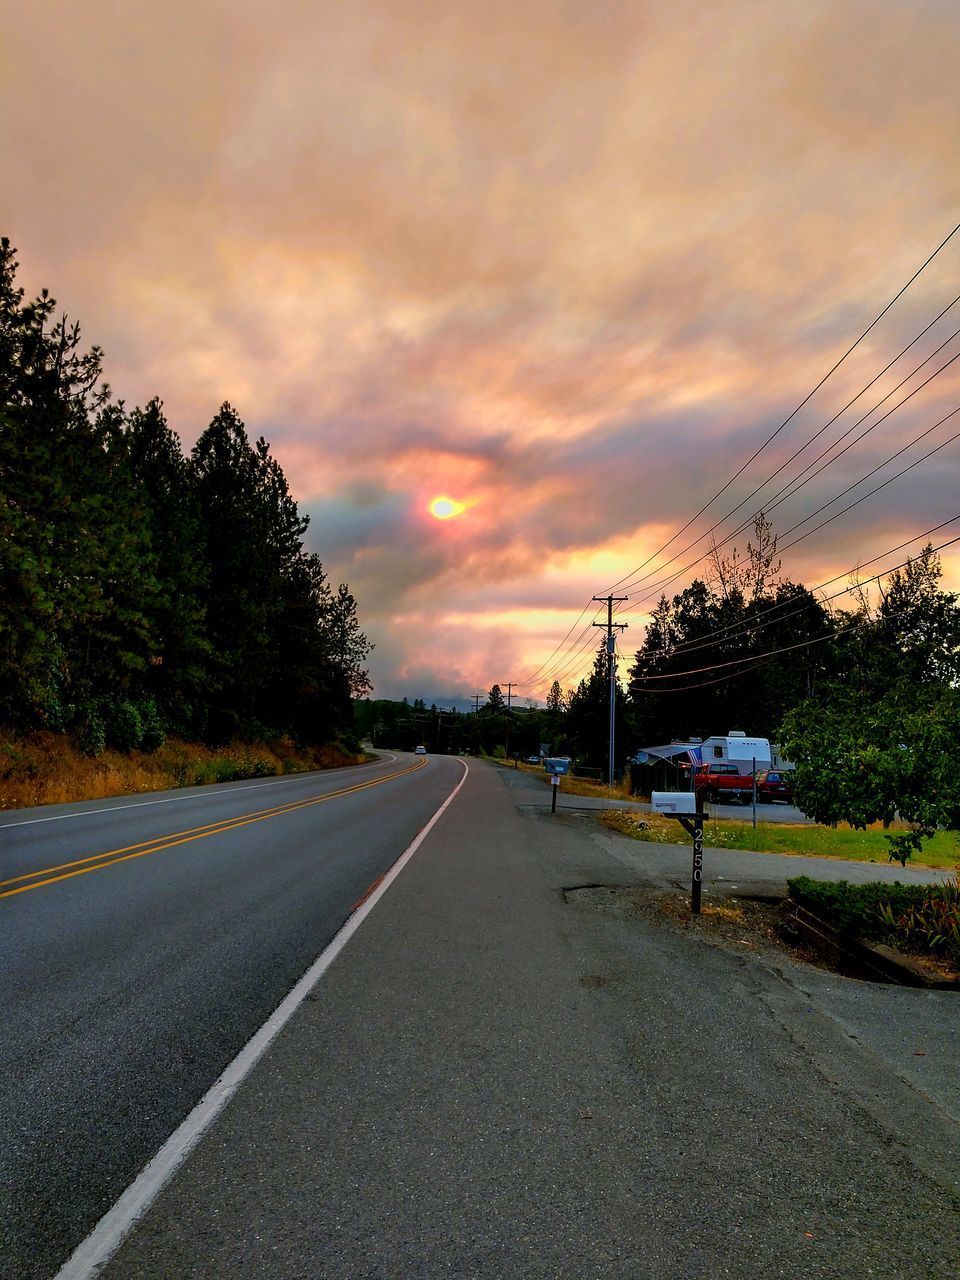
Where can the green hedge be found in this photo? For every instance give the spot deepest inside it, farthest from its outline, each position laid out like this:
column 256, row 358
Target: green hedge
column 922, row 918
column 855, row 909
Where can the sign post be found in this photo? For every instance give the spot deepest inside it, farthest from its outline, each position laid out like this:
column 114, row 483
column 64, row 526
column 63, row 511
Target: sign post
column 695, row 829
column 555, row 787
column 686, row 807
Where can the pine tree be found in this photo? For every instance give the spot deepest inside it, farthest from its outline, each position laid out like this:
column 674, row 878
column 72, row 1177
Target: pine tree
column 179, row 668
column 495, row 699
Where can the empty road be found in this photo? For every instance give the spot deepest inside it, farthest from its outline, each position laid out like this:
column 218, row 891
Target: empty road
column 142, row 942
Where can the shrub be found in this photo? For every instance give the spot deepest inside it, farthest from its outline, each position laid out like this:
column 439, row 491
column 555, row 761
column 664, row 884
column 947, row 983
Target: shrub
column 854, row 909
column 917, row 917
column 124, row 728
column 930, row 925
column 90, row 731
column 153, row 734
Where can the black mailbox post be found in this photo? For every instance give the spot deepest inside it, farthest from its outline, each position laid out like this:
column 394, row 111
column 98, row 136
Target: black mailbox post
column 686, row 808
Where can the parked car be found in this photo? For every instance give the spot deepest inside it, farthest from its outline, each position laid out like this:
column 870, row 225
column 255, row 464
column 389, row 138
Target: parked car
column 772, row 785
column 723, row 784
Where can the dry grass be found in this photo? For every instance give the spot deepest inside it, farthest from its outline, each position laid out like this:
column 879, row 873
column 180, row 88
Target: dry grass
column 46, row 768
column 583, row 786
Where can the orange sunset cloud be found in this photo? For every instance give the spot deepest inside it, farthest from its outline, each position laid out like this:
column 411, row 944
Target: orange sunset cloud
column 574, row 264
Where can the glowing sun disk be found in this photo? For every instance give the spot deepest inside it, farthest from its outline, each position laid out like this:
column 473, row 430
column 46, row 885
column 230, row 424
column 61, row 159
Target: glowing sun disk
column 446, row 508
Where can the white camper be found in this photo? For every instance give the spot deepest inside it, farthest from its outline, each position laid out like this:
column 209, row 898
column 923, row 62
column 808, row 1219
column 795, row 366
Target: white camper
column 736, row 748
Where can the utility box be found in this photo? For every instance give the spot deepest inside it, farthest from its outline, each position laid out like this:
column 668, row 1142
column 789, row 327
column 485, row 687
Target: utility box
column 674, row 802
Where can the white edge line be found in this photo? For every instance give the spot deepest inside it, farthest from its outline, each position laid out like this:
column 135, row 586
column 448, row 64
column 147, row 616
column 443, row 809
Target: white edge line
column 93, row 1253
column 194, row 794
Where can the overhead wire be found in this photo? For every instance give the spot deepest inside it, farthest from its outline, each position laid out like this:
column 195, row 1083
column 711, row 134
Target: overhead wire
column 796, row 453
column 796, row 484
column 830, row 372
column 749, row 627
column 571, row 664
column 547, row 661
column 559, row 661
column 751, row 659
column 877, row 488
column 672, row 577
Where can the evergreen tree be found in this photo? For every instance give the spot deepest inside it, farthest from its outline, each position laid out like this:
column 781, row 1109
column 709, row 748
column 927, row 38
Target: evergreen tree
column 72, row 629
column 179, row 668
column 556, row 703
column 495, row 699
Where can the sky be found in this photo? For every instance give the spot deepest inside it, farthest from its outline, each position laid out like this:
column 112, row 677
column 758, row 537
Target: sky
column 566, row 264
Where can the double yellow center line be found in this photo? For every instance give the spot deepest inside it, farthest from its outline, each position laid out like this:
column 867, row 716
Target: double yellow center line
column 97, row 861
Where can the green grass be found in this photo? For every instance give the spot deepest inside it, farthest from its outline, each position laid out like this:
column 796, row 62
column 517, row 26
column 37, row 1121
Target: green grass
column 806, row 840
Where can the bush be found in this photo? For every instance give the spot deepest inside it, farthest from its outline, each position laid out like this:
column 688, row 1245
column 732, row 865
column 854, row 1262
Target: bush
column 916, row 917
column 124, row 727
column 153, row 734
column 90, row 731
column 931, row 925
column 854, row 909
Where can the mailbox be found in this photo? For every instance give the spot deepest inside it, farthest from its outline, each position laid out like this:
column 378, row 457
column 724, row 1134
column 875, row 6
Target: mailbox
column 557, row 764
column 676, row 802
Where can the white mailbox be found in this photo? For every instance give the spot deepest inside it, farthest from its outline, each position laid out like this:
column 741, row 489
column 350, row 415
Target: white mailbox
column 674, row 802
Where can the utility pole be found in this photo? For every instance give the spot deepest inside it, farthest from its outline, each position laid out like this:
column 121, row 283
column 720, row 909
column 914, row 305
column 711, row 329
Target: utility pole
column 506, row 718
column 611, row 626
column 476, row 703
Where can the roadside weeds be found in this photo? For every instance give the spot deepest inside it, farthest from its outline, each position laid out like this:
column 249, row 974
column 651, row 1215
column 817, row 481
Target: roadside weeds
column 47, row 768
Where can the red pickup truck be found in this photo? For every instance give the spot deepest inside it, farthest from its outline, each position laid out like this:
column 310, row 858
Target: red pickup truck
column 723, row 783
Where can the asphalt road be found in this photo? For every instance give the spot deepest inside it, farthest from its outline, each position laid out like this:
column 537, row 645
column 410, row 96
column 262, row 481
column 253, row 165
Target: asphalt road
column 142, row 942
column 568, row 800
column 496, row 1081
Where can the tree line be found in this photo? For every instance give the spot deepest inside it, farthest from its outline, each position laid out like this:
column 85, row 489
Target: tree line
column 864, row 699
column 143, row 590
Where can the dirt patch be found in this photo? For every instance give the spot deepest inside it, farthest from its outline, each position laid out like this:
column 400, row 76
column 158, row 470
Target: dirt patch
column 762, row 926
column 737, row 924
column 594, row 981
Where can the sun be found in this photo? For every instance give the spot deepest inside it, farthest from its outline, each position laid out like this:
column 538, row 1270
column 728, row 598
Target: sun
column 445, row 508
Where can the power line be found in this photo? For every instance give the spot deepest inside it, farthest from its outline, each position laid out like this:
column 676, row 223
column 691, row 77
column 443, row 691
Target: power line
column 878, row 487
column 792, row 486
column 796, row 484
column 573, row 663
column 557, row 659
column 792, row 415
column 843, row 492
column 562, row 661
column 754, row 624
column 547, row 661
column 759, row 657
